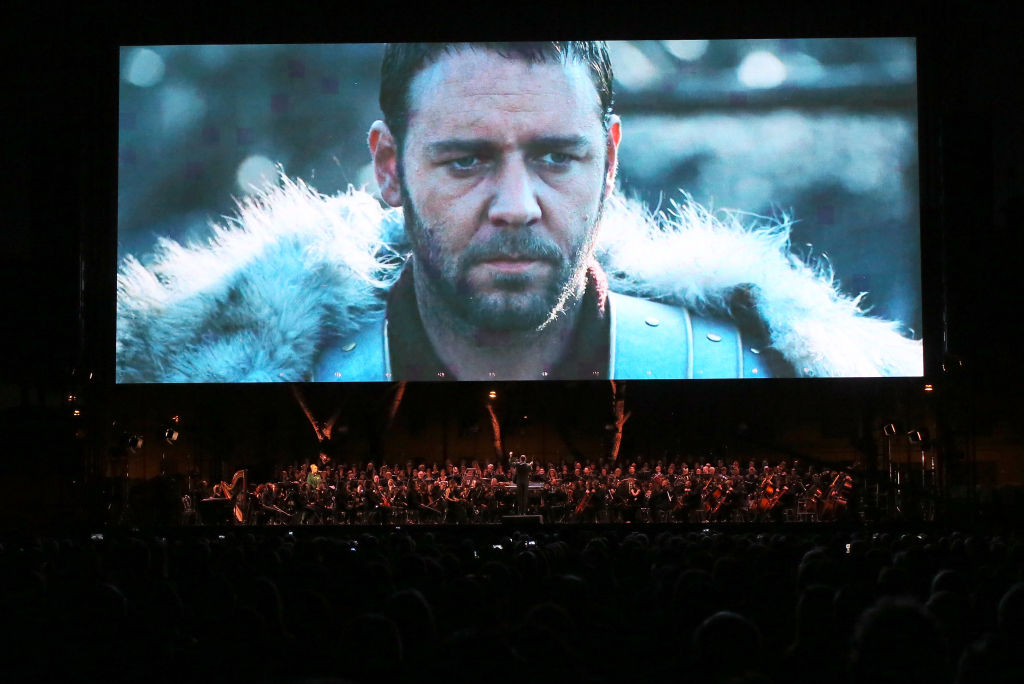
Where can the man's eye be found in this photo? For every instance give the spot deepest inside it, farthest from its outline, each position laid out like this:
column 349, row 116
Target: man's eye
column 556, row 158
column 465, row 163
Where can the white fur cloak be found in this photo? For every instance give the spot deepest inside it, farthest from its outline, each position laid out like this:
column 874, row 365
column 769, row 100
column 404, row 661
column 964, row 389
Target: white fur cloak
column 296, row 270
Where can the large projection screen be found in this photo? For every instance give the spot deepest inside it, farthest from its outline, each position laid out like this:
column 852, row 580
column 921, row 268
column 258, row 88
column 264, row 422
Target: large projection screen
column 764, row 220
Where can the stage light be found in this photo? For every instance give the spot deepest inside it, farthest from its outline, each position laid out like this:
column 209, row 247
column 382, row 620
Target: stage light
column 492, row 394
column 889, row 430
column 134, row 443
column 76, row 412
column 171, row 435
column 915, row 437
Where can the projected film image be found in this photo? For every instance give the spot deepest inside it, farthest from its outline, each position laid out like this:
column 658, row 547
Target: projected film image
column 676, row 209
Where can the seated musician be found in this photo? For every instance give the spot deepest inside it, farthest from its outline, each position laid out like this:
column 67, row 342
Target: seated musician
column 559, row 500
column 431, row 504
column 454, row 504
column 414, row 497
column 266, row 499
column 344, row 506
column 318, row 503
column 477, row 494
column 398, row 493
column 378, row 504
column 488, row 473
column 659, row 502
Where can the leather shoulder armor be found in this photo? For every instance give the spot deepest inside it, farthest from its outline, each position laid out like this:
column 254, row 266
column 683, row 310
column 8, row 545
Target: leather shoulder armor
column 656, row 341
column 649, row 341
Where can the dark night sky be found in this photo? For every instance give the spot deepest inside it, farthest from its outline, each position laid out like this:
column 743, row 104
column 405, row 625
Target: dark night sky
column 60, row 161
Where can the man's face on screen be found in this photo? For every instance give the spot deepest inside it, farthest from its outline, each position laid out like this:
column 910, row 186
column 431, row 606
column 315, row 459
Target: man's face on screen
column 504, row 169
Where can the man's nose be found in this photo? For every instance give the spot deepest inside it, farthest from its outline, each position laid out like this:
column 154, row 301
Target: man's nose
column 515, row 195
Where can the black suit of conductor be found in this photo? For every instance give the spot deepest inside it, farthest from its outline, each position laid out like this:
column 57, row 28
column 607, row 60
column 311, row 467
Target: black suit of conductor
column 523, row 470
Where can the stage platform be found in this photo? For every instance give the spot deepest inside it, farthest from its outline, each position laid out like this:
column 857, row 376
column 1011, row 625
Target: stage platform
column 531, row 526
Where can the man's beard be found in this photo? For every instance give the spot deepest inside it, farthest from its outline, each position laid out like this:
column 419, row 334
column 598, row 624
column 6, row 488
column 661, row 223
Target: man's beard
column 510, row 305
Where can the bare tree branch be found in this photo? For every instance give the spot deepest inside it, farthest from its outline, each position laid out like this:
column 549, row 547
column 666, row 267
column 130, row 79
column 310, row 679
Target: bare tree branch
column 621, row 416
column 496, row 427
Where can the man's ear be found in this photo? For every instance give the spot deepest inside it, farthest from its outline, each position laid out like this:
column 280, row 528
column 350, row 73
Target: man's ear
column 384, row 151
column 612, row 153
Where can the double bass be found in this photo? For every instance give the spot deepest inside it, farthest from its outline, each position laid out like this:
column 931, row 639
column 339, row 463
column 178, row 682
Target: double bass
column 769, row 494
column 834, row 505
column 723, row 498
column 584, row 502
column 713, row 495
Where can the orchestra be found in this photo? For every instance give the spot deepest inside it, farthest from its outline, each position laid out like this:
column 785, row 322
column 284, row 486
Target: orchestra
column 309, row 494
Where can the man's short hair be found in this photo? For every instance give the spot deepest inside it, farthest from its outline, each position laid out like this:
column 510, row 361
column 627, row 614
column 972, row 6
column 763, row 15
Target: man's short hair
column 402, row 61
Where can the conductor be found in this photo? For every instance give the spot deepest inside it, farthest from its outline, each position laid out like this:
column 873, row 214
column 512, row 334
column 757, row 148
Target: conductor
column 523, row 470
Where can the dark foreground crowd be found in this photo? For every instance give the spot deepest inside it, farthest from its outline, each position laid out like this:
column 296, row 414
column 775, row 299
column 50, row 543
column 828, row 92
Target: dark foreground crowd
column 576, row 604
column 322, row 493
